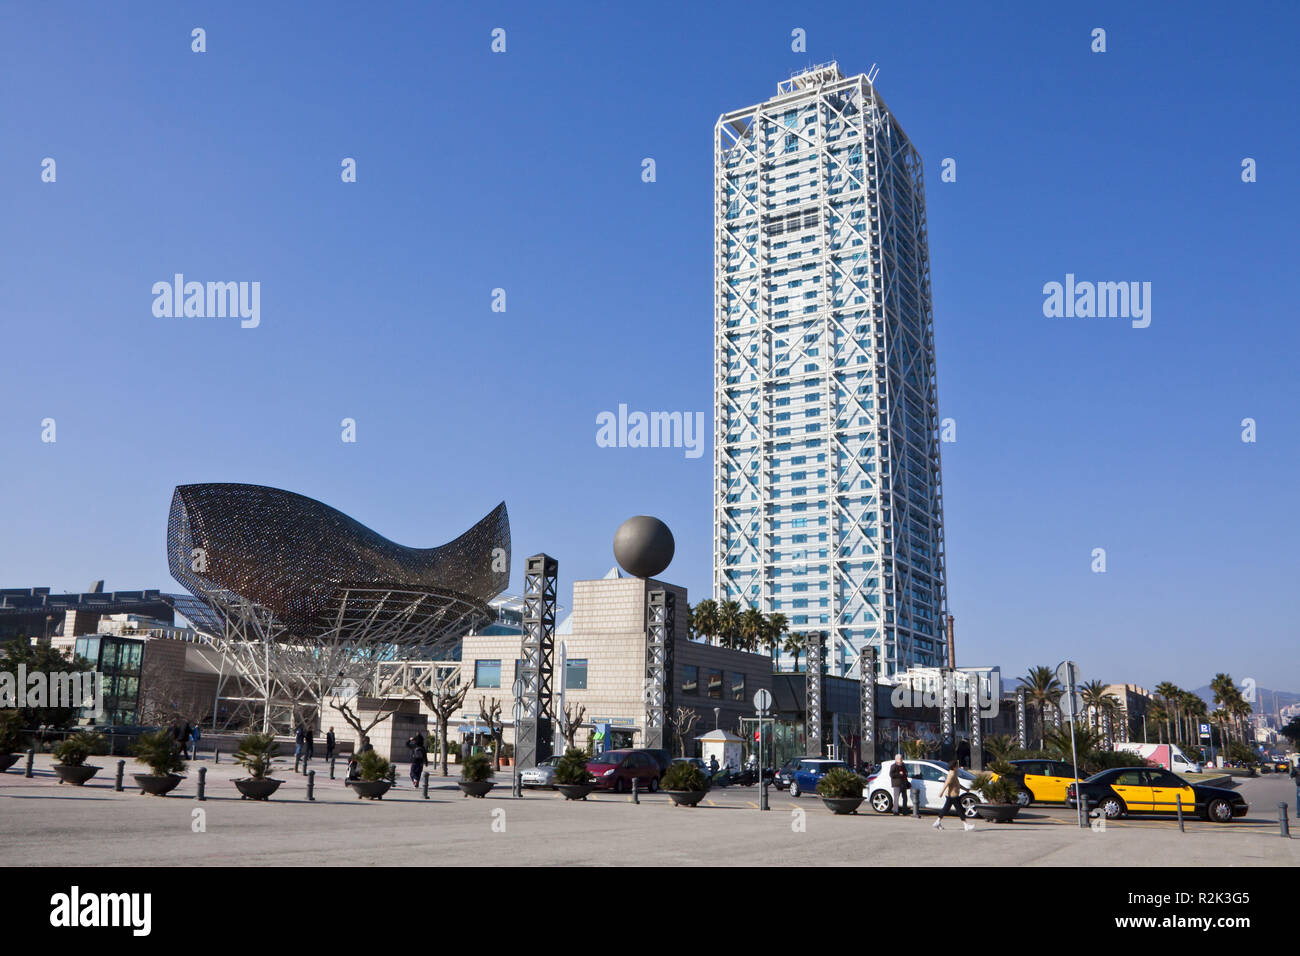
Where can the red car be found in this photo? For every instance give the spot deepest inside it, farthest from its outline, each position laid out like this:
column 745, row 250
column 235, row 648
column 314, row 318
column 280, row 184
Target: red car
column 616, row 769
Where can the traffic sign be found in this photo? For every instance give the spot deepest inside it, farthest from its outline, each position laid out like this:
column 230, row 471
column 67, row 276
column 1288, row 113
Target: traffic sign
column 1070, row 706
column 1069, row 674
column 763, row 700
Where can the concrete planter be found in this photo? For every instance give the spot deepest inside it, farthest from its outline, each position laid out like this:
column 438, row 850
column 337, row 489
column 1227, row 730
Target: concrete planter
column 842, row 805
column 686, row 798
column 370, row 789
column 998, row 812
column 475, row 788
column 575, row 791
column 77, row 776
column 262, row 789
column 157, row 786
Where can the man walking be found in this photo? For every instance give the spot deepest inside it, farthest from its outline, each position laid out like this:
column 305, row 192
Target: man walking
column 419, row 756
column 308, row 747
column 329, row 744
column 952, row 789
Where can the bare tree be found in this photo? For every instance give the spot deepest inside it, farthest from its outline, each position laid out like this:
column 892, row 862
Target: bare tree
column 489, row 711
column 570, row 723
column 684, row 721
column 352, row 714
column 442, row 697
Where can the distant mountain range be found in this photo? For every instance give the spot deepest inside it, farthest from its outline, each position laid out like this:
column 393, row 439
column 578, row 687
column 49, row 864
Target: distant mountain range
column 1266, row 701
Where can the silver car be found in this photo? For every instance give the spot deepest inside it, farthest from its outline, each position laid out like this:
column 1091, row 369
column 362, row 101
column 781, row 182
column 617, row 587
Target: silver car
column 543, row 775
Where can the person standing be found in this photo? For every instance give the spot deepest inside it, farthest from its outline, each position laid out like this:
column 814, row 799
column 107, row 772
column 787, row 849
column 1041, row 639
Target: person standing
column 194, row 740
column 899, row 783
column 951, row 792
column 1295, row 777
column 297, row 747
column 419, row 757
column 329, row 744
column 185, row 736
column 308, row 747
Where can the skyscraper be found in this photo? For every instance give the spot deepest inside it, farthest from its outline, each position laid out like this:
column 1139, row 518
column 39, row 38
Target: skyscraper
column 828, row 502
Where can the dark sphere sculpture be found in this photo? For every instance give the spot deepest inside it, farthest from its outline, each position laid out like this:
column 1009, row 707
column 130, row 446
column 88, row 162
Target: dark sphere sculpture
column 643, row 546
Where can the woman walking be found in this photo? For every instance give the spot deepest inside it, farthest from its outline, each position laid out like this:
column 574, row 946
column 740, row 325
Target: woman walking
column 952, row 789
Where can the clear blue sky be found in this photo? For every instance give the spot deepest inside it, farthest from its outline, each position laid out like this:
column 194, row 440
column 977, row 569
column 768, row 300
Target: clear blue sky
column 522, row 170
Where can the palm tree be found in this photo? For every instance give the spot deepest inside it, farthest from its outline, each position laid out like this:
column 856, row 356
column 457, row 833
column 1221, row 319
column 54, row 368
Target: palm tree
column 729, row 623
column 1158, row 715
column 751, row 628
column 704, row 619
column 1225, row 691
column 796, row 644
column 1042, row 688
column 774, row 629
column 1093, row 692
column 1167, row 693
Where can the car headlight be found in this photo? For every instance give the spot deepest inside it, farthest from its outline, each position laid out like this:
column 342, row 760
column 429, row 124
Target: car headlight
column 608, row 772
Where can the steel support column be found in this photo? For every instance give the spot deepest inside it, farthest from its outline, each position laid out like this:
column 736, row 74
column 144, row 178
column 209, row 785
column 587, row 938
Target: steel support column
column 813, row 743
column 867, row 703
column 533, row 734
column 661, row 607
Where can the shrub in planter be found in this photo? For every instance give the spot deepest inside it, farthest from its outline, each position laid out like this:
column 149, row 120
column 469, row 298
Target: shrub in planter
column 841, row 790
column 1000, row 792
column 684, row 777
column 159, row 752
column 256, row 754
column 376, row 776
column 572, row 778
column 476, row 775
column 72, row 754
column 374, row 767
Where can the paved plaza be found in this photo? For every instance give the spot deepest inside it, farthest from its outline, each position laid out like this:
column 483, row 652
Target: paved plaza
column 45, row 823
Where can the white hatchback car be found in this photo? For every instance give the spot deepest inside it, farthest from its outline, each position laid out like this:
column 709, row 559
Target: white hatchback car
column 927, row 785
column 543, row 775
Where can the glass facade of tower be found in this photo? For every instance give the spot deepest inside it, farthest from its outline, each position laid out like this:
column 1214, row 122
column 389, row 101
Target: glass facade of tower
column 828, row 493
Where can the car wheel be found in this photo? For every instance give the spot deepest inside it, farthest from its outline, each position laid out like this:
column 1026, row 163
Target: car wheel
column 882, row 802
column 1023, row 797
column 1113, row 808
column 794, row 789
column 1219, row 811
column 619, row 786
column 968, row 804
column 654, row 784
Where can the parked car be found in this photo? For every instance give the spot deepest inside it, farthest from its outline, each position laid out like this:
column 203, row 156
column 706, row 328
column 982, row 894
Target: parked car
column 781, row 779
column 1042, row 780
column 1125, row 790
column 807, row 771
column 927, row 788
column 543, row 775
column 616, row 769
column 662, row 757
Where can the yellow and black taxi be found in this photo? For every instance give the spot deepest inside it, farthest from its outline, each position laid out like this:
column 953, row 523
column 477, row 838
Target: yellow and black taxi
column 1125, row 790
column 1044, row 781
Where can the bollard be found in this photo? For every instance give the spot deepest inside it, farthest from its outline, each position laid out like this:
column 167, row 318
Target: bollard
column 424, row 783
column 1179, row 798
column 332, row 759
column 203, row 781
column 636, row 791
column 762, row 792
column 31, row 757
column 311, row 784
column 1283, row 822
column 121, row 771
column 216, row 753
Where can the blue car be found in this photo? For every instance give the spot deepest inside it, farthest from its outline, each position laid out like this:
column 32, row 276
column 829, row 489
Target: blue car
column 803, row 774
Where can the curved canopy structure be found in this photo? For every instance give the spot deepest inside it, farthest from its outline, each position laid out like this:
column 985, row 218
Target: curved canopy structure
column 311, row 573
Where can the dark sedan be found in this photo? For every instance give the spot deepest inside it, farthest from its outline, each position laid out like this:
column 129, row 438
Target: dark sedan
column 1142, row 790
